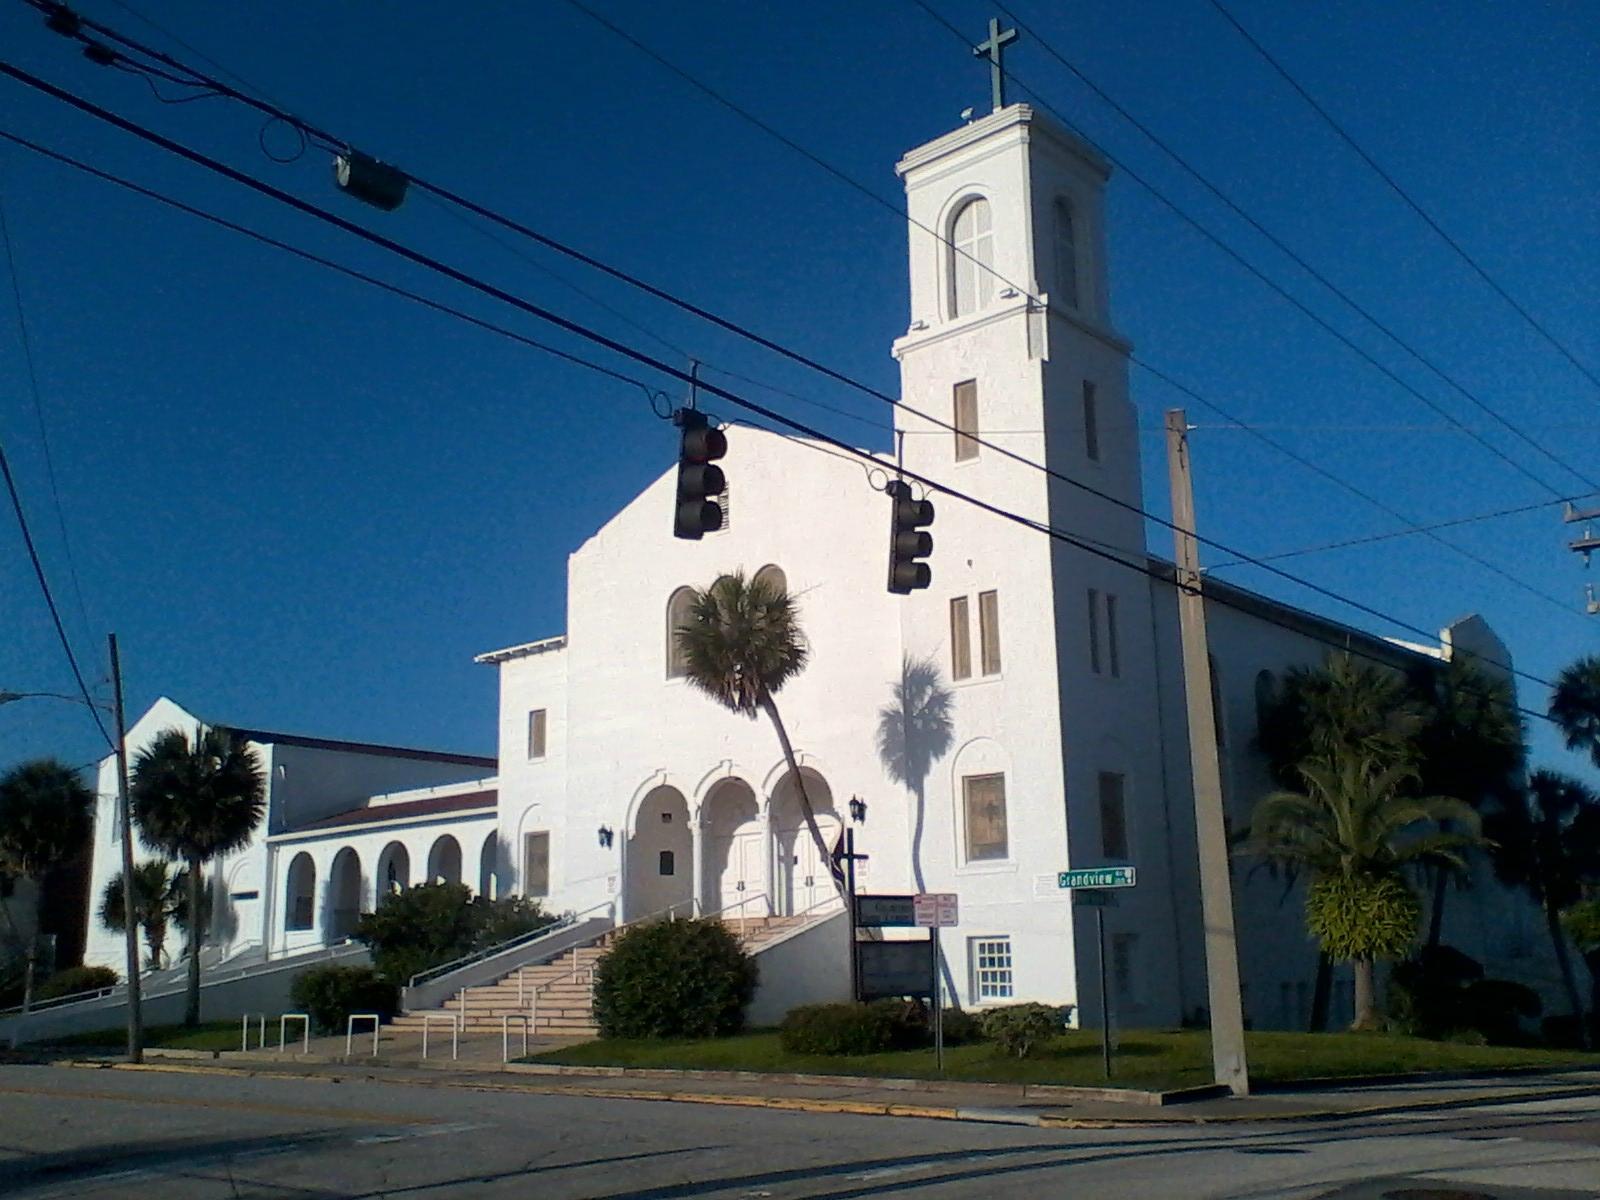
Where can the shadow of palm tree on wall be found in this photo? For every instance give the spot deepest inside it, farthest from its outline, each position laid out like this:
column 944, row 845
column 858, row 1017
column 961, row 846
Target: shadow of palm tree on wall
column 914, row 732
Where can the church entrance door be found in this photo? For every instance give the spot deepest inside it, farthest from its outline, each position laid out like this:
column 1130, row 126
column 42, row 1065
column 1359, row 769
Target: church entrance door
column 804, row 880
column 744, row 877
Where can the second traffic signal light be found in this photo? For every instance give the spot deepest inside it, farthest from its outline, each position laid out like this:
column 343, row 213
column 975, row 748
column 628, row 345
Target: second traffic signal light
column 699, row 478
column 908, row 542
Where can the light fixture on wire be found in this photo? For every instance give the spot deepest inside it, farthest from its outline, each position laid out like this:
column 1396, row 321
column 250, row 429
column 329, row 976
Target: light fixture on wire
column 370, row 181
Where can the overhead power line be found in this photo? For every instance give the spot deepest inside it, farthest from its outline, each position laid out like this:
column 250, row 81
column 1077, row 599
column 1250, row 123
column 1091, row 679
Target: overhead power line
column 1295, row 257
column 331, row 140
column 1410, row 201
column 1140, row 563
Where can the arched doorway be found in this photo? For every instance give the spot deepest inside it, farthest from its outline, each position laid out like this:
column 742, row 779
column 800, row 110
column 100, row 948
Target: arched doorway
column 489, row 867
column 736, row 851
column 444, row 861
column 660, row 854
column 300, row 894
column 344, row 896
column 802, row 879
column 394, row 871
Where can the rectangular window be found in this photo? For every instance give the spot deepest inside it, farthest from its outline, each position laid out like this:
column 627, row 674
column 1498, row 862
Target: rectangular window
column 966, row 420
column 1091, row 423
column 1112, row 659
column 536, row 728
column 960, row 639
column 302, row 911
column 985, row 797
column 1113, row 818
column 991, row 968
column 1094, row 631
column 1124, row 979
column 536, row 864
column 989, row 631
column 667, row 864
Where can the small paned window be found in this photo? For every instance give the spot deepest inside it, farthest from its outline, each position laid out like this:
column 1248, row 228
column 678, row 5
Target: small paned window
column 989, row 631
column 1113, row 817
column 966, row 420
column 536, row 733
column 985, row 798
column 991, row 968
column 960, row 639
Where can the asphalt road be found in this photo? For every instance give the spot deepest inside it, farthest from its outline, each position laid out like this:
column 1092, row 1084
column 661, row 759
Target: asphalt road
column 103, row 1133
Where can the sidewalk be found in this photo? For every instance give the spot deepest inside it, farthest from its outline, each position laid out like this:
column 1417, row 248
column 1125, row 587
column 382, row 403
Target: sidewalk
column 480, row 1067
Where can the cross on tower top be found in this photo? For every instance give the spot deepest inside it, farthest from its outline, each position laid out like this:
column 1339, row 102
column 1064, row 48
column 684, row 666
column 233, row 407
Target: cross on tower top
column 992, row 49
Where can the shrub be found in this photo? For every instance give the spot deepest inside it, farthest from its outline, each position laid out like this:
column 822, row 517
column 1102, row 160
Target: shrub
column 1017, row 1028
column 674, row 979
column 330, row 994
column 853, row 1028
column 1441, row 993
column 76, row 979
column 434, row 923
column 961, row 1028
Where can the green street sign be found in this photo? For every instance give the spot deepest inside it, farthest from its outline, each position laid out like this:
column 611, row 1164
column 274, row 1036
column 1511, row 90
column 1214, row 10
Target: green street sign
column 1097, row 877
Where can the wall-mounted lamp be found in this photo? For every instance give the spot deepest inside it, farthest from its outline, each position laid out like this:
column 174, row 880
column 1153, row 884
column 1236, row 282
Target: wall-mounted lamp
column 605, row 837
column 858, row 810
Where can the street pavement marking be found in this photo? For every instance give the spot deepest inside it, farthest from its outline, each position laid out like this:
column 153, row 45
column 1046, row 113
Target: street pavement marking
column 287, row 1110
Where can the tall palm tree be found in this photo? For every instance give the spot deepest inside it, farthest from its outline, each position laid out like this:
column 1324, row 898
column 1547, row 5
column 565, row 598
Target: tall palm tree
column 1545, row 843
column 158, row 898
column 1575, row 706
column 741, row 642
column 45, row 821
column 194, row 803
column 1352, row 828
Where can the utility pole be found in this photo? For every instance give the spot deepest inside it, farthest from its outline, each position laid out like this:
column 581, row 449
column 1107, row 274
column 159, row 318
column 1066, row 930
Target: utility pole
column 1216, row 887
column 125, row 820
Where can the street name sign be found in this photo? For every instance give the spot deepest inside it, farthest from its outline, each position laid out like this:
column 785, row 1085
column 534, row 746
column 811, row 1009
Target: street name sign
column 1094, row 898
column 1096, row 877
column 936, row 910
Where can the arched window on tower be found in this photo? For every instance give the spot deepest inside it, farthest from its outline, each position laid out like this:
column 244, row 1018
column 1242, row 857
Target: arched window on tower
column 677, row 614
column 772, row 575
column 1066, row 255
column 971, row 258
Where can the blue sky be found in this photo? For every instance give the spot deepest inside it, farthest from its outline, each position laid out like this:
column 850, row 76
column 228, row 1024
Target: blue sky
column 306, row 505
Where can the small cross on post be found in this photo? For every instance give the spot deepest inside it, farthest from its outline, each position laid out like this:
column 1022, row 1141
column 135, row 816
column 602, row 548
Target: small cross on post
column 999, row 39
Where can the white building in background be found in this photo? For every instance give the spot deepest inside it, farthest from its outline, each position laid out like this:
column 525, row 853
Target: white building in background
column 1062, row 741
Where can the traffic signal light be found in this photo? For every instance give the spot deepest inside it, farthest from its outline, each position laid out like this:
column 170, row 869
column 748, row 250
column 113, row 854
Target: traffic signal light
column 907, row 541
column 699, row 478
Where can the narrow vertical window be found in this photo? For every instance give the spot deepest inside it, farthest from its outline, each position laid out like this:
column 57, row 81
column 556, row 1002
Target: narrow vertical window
column 1091, row 423
column 1112, row 660
column 989, row 631
column 1094, row 631
column 678, row 611
column 960, row 640
column 1066, row 255
column 667, row 864
column 971, row 258
column 1113, row 817
column 985, row 798
column 966, row 420
column 536, row 864
column 536, row 729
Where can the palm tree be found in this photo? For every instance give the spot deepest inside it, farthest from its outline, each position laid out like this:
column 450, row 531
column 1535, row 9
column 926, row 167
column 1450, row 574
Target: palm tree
column 1575, row 706
column 194, row 803
column 741, row 642
column 1351, row 829
column 158, row 897
column 45, row 821
column 1545, row 844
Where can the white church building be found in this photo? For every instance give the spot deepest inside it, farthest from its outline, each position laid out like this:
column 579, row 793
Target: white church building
column 1055, row 737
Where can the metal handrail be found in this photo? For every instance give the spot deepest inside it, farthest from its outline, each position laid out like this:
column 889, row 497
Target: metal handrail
column 562, row 922
column 743, row 919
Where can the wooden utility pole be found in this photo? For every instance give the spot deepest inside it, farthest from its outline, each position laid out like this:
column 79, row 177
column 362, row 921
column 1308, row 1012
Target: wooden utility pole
column 1216, row 887
column 125, row 822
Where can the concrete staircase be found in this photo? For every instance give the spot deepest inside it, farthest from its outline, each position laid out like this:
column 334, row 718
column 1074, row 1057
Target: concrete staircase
column 557, row 997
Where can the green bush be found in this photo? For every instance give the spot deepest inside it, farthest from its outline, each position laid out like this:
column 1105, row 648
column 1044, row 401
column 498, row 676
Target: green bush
column 670, row 979
column 76, row 979
column 854, row 1028
column 1441, row 993
column 434, row 923
column 330, row 994
column 1017, row 1028
column 961, row 1028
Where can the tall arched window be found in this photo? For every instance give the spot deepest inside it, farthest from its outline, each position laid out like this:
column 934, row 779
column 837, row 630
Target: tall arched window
column 772, row 575
column 1066, row 255
column 677, row 614
column 300, row 893
column 971, row 258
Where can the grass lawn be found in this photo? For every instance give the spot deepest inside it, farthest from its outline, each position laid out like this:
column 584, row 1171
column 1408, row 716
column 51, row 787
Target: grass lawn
column 1145, row 1058
column 210, row 1035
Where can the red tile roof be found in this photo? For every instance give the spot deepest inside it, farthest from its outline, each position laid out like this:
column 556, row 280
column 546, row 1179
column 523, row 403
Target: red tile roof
column 431, row 806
